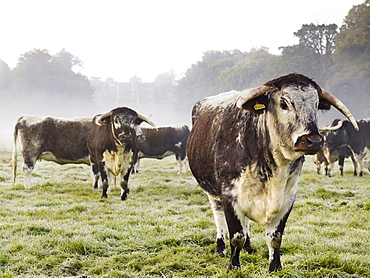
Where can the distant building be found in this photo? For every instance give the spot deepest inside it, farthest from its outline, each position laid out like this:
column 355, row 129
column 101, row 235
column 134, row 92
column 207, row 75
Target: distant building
column 111, row 93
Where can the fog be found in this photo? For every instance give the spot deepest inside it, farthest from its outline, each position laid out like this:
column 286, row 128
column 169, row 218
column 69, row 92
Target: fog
column 161, row 114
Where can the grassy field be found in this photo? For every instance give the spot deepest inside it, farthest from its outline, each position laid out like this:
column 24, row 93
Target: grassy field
column 62, row 228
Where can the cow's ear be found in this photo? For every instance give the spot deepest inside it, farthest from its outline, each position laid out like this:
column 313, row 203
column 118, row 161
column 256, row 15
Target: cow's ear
column 257, row 105
column 101, row 120
column 324, row 104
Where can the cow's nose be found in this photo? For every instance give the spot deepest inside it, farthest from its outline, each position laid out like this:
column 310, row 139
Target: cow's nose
column 309, row 144
column 124, row 136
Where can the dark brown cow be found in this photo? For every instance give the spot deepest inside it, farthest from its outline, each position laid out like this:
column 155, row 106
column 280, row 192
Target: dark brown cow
column 164, row 141
column 330, row 156
column 246, row 150
column 340, row 136
column 112, row 146
column 53, row 139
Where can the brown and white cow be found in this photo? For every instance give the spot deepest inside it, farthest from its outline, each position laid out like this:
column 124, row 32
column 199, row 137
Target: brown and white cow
column 53, row 139
column 246, row 150
column 164, row 141
column 112, row 146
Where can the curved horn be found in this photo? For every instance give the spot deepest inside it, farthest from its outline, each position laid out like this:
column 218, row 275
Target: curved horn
column 99, row 120
column 338, row 126
column 251, row 94
column 340, row 106
column 141, row 117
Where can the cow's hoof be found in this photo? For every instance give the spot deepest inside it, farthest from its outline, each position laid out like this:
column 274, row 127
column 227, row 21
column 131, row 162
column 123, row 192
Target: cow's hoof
column 123, row 196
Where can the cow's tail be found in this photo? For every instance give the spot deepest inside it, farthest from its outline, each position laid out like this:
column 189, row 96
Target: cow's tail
column 14, row 158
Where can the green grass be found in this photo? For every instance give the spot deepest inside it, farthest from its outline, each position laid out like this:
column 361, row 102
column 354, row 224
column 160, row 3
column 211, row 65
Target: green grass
column 62, row 228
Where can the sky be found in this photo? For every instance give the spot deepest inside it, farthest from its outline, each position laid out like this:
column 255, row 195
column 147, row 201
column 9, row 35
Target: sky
column 120, row 39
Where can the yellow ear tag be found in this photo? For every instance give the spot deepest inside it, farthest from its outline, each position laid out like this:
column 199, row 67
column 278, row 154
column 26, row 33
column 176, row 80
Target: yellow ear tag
column 259, row 106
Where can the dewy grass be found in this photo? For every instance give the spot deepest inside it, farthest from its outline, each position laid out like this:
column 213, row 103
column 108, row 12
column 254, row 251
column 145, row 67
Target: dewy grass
column 62, row 228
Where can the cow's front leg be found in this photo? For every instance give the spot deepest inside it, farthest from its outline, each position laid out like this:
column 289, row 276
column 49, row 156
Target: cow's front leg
column 124, row 185
column 104, row 178
column 96, row 175
column 236, row 233
column 274, row 234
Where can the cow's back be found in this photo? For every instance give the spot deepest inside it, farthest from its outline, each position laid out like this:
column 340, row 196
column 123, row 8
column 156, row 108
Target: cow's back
column 68, row 139
column 164, row 139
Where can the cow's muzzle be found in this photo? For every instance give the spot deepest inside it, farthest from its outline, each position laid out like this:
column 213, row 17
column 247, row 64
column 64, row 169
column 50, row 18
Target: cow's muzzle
column 309, row 144
column 124, row 137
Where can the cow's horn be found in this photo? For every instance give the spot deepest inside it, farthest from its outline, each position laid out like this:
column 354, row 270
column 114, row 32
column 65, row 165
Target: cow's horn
column 99, row 118
column 337, row 126
column 250, row 94
column 141, row 117
column 340, row 106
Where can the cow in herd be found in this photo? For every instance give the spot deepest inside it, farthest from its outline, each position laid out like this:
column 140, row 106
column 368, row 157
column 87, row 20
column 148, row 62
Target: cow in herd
column 246, row 150
column 162, row 142
column 342, row 141
column 328, row 156
column 53, row 139
column 107, row 143
column 112, row 144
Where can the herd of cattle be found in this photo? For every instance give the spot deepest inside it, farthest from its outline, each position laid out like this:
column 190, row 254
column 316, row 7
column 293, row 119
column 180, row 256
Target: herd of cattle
column 245, row 149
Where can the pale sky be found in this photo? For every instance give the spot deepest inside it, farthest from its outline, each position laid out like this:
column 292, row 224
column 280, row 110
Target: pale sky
column 120, row 39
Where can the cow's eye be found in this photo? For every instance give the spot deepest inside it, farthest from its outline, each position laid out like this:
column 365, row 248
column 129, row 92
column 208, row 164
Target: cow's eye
column 284, row 104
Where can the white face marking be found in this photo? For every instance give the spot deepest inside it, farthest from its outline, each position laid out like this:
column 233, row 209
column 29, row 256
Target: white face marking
column 138, row 130
column 293, row 106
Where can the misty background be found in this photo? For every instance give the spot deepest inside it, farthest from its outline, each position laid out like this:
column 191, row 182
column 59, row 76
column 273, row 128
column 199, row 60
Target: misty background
column 336, row 57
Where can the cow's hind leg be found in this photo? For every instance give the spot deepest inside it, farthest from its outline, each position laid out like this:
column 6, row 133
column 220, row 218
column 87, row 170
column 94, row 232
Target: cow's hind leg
column 219, row 216
column 27, row 171
column 28, row 166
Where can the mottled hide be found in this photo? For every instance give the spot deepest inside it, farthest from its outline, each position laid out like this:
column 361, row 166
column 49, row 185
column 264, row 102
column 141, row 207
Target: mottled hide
column 246, row 150
column 53, row 139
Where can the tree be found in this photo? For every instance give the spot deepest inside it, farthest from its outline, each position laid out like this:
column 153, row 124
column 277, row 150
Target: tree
column 319, row 38
column 351, row 73
column 312, row 56
column 244, row 74
column 45, row 83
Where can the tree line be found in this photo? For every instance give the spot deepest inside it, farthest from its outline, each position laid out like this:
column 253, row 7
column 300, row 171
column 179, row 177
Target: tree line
column 42, row 82
column 338, row 59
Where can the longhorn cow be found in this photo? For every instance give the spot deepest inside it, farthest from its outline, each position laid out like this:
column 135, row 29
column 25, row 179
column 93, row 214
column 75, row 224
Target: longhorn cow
column 112, row 144
column 246, row 150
